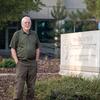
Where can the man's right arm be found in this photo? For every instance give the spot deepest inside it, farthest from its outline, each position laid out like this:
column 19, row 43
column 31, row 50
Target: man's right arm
column 13, row 46
column 14, row 55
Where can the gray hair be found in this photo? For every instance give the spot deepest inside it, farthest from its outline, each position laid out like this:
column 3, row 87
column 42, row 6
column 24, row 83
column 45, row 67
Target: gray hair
column 24, row 19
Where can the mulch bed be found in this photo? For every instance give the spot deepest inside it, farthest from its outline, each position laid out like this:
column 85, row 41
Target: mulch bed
column 46, row 69
column 44, row 66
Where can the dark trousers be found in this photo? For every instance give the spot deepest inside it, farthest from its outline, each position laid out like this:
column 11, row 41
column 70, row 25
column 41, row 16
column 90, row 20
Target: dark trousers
column 25, row 73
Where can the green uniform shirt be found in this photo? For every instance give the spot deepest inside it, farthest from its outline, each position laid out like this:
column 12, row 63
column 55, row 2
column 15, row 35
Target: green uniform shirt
column 25, row 44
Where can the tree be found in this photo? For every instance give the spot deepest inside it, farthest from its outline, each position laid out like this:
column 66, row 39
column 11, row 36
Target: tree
column 73, row 16
column 59, row 13
column 85, row 14
column 98, row 9
column 91, row 7
column 78, row 16
column 12, row 10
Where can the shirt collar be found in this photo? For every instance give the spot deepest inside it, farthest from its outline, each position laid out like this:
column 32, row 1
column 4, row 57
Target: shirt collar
column 25, row 32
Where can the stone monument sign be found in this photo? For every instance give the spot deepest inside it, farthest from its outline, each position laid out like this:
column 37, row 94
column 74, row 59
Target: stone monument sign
column 80, row 53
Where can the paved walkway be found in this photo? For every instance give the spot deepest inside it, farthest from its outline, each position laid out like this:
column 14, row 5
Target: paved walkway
column 12, row 74
column 7, row 74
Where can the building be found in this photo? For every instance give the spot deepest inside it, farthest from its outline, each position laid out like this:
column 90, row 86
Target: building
column 42, row 22
column 73, row 5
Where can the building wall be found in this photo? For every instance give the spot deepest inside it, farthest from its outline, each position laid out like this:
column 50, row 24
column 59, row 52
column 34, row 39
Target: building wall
column 45, row 13
column 49, row 2
column 75, row 4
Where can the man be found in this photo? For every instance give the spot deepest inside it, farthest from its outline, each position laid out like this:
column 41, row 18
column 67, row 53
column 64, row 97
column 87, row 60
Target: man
column 25, row 52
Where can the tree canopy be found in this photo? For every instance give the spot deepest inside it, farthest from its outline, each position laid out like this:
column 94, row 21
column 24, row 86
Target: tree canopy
column 98, row 9
column 93, row 8
column 12, row 10
column 59, row 11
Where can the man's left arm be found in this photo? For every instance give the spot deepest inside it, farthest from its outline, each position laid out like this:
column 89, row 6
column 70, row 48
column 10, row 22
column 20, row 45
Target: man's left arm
column 37, row 54
column 37, row 47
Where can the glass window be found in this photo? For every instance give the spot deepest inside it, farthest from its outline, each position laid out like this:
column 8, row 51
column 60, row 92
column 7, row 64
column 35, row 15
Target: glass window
column 10, row 34
column 2, row 39
column 45, row 30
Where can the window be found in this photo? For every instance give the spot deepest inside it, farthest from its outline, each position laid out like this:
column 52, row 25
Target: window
column 2, row 39
column 45, row 30
column 10, row 34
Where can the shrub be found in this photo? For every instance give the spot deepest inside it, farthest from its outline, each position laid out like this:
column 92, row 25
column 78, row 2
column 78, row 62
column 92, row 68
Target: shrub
column 7, row 63
column 65, row 88
column 68, row 88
